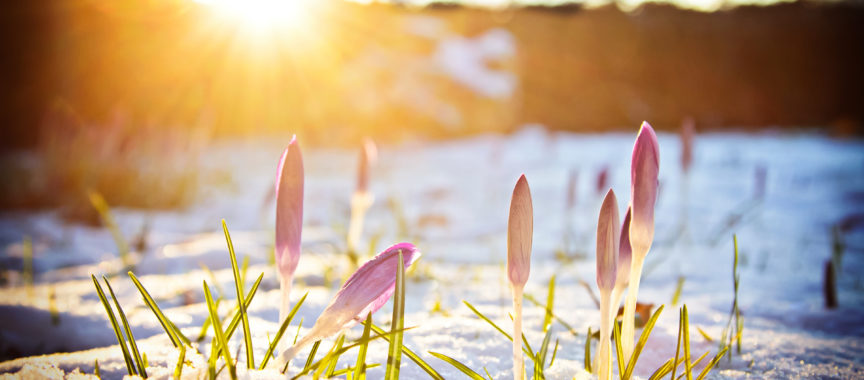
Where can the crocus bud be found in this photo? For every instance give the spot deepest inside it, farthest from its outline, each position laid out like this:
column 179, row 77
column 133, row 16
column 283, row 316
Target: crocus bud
column 644, row 168
column 607, row 242
column 289, row 209
column 368, row 155
column 520, row 230
column 625, row 254
column 366, row 291
column 687, row 132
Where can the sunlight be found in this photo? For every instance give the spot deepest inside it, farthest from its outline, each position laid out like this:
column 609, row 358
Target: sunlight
column 262, row 15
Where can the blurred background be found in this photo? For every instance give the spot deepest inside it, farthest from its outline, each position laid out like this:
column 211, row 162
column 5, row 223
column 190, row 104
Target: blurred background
column 117, row 95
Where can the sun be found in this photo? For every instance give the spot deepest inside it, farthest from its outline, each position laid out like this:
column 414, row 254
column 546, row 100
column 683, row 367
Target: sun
column 262, row 15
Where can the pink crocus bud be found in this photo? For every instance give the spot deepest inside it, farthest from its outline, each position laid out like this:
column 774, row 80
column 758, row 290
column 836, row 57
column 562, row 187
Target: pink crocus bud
column 366, row 291
column 520, row 230
column 289, row 217
column 644, row 169
column 688, row 129
column 625, row 254
column 368, row 156
column 608, row 237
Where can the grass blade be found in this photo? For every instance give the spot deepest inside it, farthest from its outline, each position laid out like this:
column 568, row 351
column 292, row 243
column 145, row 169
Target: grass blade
column 349, row 370
column 619, row 350
column 96, row 371
column 588, row 351
column 130, row 367
column 132, row 344
column 556, row 317
column 309, row 358
column 455, row 363
column 550, row 302
column 178, row 370
column 678, row 342
column 411, row 355
column 643, row 338
column 554, row 352
column 217, row 329
column 177, row 337
column 686, row 337
column 712, row 363
column 356, row 343
column 238, row 285
column 661, row 371
column 235, row 320
column 107, row 218
column 334, row 358
column 394, row 352
column 695, row 363
column 526, row 348
column 281, row 331
column 360, row 367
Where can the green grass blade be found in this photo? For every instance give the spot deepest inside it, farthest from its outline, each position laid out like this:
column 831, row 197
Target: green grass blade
column 394, row 352
column 541, row 356
column 217, row 330
column 132, row 344
column 588, row 351
column 299, row 326
column 334, row 358
column 235, row 320
column 678, row 287
column 686, row 336
column 96, row 371
column 695, row 363
column 360, row 366
column 619, row 350
column 678, row 342
column 281, row 331
column 238, row 285
column 526, row 348
column 349, row 370
column 554, row 316
column 412, row 355
column 178, row 369
column 554, row 352
column 172, row 331
column 643, row 338
column 662, row 370
column 712, row 363
column 130, row 367
column 317, row 364
column 206, row 325
column 550, row 303
column 455, row 363
column 311, row 356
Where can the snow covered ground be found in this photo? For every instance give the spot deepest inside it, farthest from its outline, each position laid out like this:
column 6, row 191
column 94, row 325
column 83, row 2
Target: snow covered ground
column 451, row 199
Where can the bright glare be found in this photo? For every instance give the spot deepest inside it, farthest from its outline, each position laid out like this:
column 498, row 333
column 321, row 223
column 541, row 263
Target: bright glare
column 260, row 15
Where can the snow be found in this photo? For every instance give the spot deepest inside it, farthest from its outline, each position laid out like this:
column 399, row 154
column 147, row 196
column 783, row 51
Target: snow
column 454, row 196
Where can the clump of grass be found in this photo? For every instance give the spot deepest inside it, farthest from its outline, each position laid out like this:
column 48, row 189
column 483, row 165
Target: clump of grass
column 131, row 368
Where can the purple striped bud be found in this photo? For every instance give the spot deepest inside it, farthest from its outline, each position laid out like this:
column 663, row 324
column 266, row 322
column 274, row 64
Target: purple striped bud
column 289, row 209
column 607, row 242
column 625, row 253
column 520, row 231
column 644, row 168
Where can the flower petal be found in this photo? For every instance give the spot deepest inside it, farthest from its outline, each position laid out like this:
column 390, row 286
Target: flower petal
column 625, row 253
column 644, row 169
column 607, row 242
column 520, row 231
column 289, row 208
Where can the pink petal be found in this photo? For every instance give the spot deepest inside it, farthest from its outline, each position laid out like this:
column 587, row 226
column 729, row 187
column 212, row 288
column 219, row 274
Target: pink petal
column 607, row 242
column 520, row 231
column 625, row 253
column 644, row 169
column 289, row 208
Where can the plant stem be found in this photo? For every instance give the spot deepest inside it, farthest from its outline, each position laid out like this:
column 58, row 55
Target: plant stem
column 285, row 290
column 628, row 323
column 605, row 355
column 517, row 332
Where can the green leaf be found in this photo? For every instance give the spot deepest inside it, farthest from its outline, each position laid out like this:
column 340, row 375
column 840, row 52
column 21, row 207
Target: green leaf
column 130, row 367
column 235, row 320
column 238, row 285
column 334, row 358
column 132, row 344
column 678, row 341
column 526, row 348
column 687, row 365
column 588, row 351
column 455, row 363
column 712, row 363
column 550, row 302
column 96, row 370
column 554, row 352
column 217, row 329
column 360, row 367
column 678, row 287
column 349, row 370
column 309, row 358
column 178, row 370
column 394, row 352
column 643, row 338
column 177, row 337
column 411, row 355
column 662, row 370
column 317, row 364
column 619, row 350
column 281, row 331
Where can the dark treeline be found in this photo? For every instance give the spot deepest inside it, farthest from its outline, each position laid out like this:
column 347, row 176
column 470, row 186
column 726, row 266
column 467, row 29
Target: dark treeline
column 788, row 65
